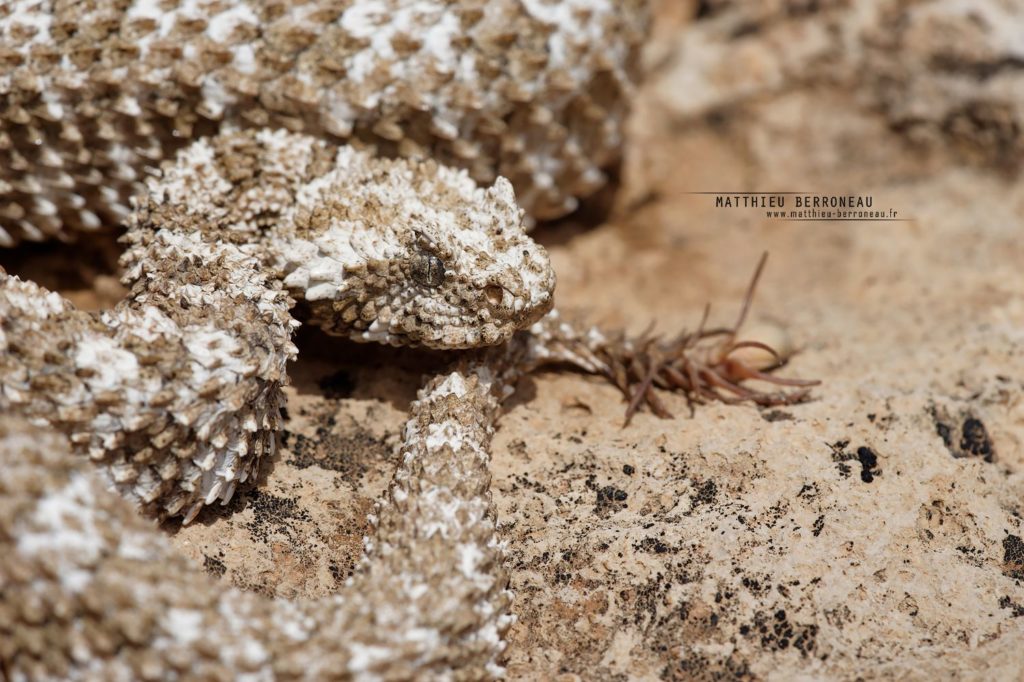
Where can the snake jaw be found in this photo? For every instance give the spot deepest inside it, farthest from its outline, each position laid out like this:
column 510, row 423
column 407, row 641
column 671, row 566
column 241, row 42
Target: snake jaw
column 496, row 281
column 460, row 312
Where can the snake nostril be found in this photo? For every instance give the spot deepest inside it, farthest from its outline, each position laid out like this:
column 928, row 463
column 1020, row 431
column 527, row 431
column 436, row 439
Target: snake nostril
column 494, row 294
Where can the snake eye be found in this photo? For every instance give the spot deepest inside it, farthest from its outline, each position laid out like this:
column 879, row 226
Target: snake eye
column 428, row 270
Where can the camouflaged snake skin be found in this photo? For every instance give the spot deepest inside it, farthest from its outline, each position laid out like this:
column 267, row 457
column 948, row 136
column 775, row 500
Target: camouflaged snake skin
column 175, row 392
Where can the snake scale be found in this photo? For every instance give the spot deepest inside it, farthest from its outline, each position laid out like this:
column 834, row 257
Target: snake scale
column 348, row 155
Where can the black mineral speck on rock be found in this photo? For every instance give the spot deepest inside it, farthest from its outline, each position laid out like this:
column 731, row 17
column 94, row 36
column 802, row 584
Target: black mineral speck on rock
column 865, row 456
column 272, row 514
column 868, row 464
column 777, row 632
column 840, row 456
column 214, row 566
column 970, row 440
column 707, row 493
column 1016, row 610
column 1013, row 557
column 337, row 573
column 610, row 499
column 975, row 439
column 651, row 545
column 628, row 469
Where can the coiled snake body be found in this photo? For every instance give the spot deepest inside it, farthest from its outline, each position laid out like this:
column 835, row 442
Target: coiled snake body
column 175, row 393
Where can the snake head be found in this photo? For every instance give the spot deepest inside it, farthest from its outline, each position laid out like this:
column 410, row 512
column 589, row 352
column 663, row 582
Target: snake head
column 415, row 253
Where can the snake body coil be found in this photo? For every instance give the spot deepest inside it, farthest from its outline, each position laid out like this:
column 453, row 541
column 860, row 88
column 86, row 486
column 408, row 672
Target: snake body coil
column 175, row 393
column 92, row 591
column 93, row 95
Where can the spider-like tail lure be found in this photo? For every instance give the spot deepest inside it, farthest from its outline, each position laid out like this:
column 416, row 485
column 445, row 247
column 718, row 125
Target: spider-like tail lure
column 703, row 364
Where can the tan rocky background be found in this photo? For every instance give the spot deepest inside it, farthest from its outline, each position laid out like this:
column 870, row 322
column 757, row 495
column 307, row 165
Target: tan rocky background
column 873, row 532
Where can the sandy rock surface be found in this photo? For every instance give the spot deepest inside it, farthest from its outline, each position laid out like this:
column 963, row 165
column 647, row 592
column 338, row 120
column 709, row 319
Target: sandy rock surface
column 873, row 532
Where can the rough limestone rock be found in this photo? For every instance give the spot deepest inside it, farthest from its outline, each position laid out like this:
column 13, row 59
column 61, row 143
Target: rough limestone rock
column 945, row 74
